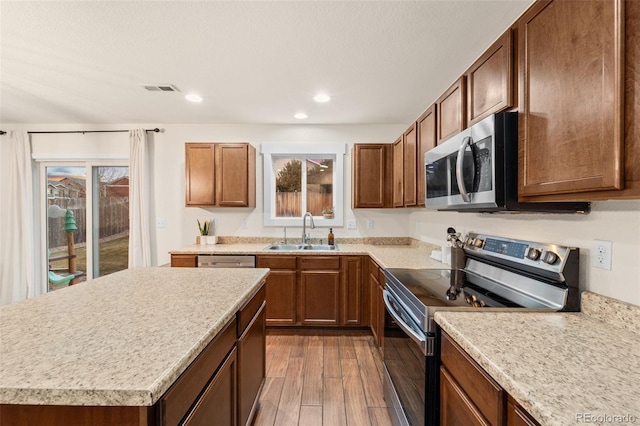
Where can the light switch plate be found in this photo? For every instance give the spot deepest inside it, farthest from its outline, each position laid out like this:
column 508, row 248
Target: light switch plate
column 370, row 223
column 352, row 224
column 601, row 254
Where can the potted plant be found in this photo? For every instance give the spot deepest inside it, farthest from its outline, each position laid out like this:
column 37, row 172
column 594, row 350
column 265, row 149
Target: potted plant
column 327, row 212
column 203, row 227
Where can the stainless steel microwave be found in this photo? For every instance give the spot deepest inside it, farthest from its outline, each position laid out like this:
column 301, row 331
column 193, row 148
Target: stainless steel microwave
column 477, row 171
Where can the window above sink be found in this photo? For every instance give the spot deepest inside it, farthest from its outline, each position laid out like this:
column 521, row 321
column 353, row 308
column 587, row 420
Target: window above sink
column 300, row 178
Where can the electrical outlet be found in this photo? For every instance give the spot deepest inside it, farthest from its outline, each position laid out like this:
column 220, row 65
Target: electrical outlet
column 214, row 222
column 370, row 223
column 352, row 224
column 244, row 224
column 601, row 254
column 161, row 223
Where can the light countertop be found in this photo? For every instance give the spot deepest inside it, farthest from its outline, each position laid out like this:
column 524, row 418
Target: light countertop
column 561, row 367
column 121, row 339
column 414, row 256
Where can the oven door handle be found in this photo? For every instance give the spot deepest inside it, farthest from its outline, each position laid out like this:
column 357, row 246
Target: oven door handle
column 415, row 335
column 459, row 163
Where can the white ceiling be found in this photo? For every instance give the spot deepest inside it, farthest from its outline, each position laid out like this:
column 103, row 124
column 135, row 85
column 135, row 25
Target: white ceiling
column 382, row 62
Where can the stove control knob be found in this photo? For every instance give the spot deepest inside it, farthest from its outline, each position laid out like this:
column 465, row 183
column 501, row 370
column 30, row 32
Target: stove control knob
column 478, row 304
column 550, row 258
column 478, row 243
column 469, row 241
column 468, row 300
column 533, row 253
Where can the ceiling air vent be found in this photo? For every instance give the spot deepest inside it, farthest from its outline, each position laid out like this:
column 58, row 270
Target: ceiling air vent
column 160, row 87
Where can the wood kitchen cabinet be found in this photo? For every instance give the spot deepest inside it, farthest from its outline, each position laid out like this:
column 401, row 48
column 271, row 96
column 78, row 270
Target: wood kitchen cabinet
column 220, row 175
column 251, row 355
column 427, row 139
column 282, row 289
column 490, row 80
column 372, row 169
column 410, row 153
column 184, row 260
column 571, row 63
column 398, row 173
column 517, row 416
column 377, row 309
column 319, row 290
column 351, row 270
column 451, row 106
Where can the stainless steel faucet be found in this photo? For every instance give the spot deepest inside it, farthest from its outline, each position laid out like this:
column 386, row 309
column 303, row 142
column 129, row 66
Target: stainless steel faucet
column 305, row 237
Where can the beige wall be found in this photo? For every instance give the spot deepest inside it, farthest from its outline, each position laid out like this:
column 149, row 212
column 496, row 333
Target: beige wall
column 617, row 221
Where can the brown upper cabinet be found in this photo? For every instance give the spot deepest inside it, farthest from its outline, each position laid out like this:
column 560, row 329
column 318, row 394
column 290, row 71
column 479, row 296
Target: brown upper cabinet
column 398, row 173
column 490, row 80
column 451, row 118
column 410, row 152
column 427, row 139
column 220, row 175
column 571, row 62
column 372, row 169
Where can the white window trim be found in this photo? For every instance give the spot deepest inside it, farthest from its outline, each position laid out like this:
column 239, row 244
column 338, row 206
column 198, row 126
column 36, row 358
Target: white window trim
column 268, row 151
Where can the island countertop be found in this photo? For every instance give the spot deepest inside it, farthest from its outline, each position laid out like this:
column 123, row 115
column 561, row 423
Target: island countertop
column 121, row 339
column 563, row 368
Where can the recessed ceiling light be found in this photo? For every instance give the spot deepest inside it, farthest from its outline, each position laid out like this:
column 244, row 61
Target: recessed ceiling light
column 192, row 97
column 301, row 116
column 322, row 97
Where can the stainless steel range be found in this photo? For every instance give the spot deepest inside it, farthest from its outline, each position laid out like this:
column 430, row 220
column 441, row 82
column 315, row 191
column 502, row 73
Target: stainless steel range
column 498, row 273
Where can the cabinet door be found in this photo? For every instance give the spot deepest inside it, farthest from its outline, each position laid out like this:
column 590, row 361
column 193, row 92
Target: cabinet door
column 427, row 139
column 372, row 176
column 217, row 405
column 451, row 110
column 570, row 81
column 490, row 81
column 235, row 175
column 251, row 366
column 200, row 178
column 456, row 409
column 351, row 290
column 320, row 297
column 281, row 298
column 398, row 173
column 517, row 416
column 410, row 152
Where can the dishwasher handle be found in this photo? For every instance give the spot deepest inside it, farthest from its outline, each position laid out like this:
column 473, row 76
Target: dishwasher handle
column 226, row 261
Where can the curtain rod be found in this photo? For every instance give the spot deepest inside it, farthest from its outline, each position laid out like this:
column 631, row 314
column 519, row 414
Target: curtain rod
column 156, row 130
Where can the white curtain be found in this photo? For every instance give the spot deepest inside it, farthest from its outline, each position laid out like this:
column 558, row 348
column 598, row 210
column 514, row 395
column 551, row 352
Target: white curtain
column 17, row 264
column 139, row 221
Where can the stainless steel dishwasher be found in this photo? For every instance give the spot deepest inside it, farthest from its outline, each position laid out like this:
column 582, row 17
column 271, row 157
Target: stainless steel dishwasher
column 226, row 261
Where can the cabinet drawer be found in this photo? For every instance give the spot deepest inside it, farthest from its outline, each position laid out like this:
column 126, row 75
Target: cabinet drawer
column 180, row 397
column 246, row 313
column 184, row 260
column 320, row 263
column 485, row 393
column 277, row 262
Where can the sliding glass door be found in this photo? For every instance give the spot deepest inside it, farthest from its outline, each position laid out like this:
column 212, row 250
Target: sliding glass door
column 87, row 221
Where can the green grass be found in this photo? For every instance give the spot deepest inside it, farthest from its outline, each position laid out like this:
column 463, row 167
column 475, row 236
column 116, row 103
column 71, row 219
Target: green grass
column 114, row 256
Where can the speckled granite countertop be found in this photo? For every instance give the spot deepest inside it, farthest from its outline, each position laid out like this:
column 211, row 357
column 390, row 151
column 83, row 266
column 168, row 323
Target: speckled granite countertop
column 563, row 368
column 122, row 339
column 416, row 256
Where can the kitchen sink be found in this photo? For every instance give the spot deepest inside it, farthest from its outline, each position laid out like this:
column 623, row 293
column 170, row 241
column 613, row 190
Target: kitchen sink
column 302, row 247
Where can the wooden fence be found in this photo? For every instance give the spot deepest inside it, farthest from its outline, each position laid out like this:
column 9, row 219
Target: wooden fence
column 289, row 204
column 113, row 213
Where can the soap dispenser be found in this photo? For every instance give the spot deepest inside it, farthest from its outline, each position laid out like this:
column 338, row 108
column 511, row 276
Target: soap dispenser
column 330, row 237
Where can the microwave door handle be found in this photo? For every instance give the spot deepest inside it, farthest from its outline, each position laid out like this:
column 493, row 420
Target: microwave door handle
column 459, row 163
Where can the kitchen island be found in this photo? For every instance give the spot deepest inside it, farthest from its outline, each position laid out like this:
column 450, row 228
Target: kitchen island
column 118, row 341
column 562, row 368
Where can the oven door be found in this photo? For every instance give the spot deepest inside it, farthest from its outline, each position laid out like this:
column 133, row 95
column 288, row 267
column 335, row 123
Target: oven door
column 411, row 383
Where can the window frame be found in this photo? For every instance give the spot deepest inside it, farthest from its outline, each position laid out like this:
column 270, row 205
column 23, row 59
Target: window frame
column 270, row 152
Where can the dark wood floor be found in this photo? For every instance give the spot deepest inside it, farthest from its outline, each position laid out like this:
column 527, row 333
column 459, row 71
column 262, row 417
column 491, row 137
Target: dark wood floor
column 322, row 377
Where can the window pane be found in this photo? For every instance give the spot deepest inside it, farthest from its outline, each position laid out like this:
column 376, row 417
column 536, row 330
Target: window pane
column 110, row 220
column 66, row 225
column 288, row 173
column 319, row 185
